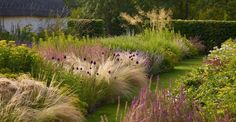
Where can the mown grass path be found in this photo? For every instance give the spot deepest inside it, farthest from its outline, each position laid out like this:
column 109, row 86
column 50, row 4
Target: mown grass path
column 184, row 67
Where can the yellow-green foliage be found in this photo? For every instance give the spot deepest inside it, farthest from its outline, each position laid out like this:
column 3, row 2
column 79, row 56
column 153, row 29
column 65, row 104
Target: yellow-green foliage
column 17, row 58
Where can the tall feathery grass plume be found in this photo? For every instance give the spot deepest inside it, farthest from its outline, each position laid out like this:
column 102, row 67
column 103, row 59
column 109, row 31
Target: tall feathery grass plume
column 28, row 100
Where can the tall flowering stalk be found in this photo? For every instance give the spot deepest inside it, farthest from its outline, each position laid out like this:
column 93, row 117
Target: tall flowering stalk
column 162, row 106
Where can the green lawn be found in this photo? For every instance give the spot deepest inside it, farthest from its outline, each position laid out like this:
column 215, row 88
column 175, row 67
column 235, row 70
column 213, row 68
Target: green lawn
column 184, row 67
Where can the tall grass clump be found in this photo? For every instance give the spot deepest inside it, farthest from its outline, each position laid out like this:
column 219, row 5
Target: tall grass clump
column 102, row 73
column 28, row 100
column 166, row 46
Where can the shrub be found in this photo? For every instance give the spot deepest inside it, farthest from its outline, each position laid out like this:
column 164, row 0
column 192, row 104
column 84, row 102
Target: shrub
column 211, row 32
column 17, row 58
column 213, row 84
column 30, row 101
column 86, row 27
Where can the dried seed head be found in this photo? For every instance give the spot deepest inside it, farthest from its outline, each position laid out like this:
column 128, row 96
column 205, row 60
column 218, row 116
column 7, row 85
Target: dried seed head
column 81, row 69
column 94, row 63
column 97, row 73
column 77, row 68
column 84, row 59
column 137, row 62
column 91, row 62
column 58, row 59
column 53, row 58
column 109, row 72
column 64, row 56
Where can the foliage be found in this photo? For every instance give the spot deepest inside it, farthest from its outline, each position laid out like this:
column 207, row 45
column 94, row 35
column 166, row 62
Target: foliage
column 164, row 47
column 213, row 84
column 210, row 32
column 22, row 35
column 31, row 101
column 17, row 58
column 86, row 27
column 109, row 10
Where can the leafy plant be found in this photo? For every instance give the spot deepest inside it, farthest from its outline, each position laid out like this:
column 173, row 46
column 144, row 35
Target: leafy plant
column 17, row 58
column 213, row 84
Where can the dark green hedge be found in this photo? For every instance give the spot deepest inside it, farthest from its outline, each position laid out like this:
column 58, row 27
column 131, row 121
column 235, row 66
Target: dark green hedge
column 86, row 27
column 211, row 32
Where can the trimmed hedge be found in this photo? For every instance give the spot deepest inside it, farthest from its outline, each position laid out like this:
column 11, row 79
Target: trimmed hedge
column 86, row 27
column 211, row 32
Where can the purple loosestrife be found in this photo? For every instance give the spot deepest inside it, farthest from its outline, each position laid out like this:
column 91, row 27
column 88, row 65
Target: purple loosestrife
column 161, row 107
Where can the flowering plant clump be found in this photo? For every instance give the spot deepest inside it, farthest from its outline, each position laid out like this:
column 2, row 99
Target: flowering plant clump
column 112, row 74
column 161, row 106
column 117, row 72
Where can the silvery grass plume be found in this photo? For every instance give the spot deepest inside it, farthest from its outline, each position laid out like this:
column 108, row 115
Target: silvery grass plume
column 30, row 101
column 123, row 77
column 133, row 58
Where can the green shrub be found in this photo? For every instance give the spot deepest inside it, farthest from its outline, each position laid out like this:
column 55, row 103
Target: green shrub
column 214, row 84
column 211, row 32
column 17, row 59
column 86, row 27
